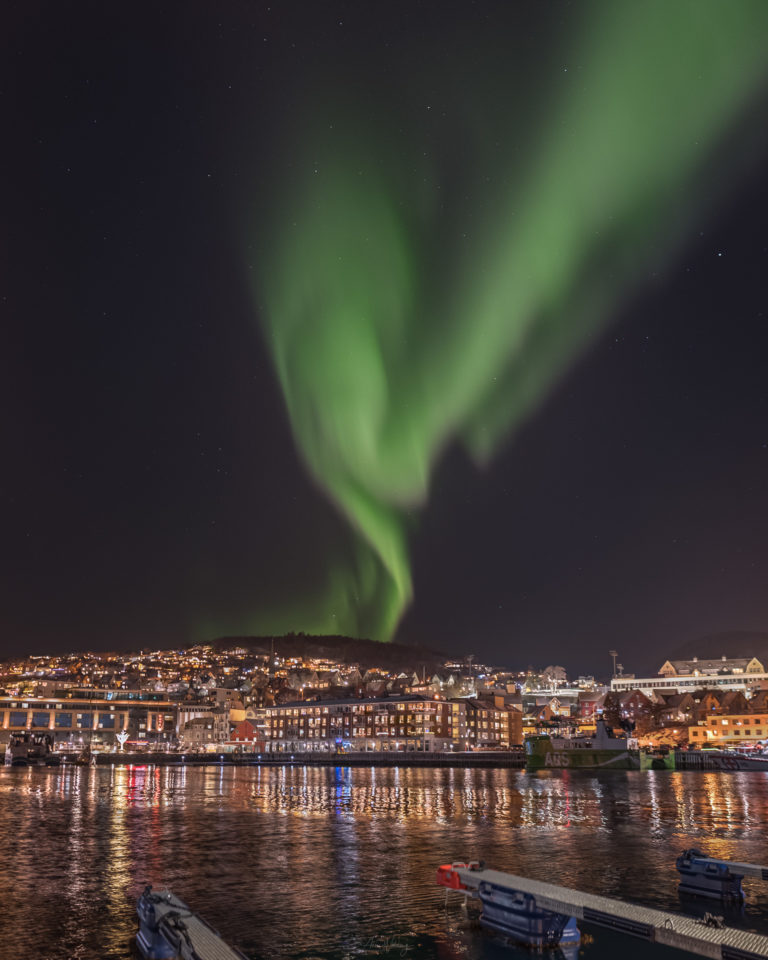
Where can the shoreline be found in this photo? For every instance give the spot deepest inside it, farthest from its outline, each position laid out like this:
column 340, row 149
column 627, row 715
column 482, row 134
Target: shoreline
column 507, row 758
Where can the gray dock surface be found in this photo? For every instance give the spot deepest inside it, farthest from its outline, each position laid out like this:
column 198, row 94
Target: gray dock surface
column 743, row 869
column 192, row 935
column 656, row 926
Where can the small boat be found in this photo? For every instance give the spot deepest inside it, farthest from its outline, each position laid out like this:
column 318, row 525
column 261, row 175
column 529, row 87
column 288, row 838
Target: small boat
column 703, row 877
column 601, row 750
column 169, row 930
column 30, row 749
column 514, row 914
column 517, row 915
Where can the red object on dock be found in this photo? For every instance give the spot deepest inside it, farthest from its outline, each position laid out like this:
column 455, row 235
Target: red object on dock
column 447, row 876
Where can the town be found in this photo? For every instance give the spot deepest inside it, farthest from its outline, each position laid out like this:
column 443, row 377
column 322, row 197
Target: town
column 252, row 697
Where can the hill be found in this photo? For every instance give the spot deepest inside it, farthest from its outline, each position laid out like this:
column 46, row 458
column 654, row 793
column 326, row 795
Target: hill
column 367, row 653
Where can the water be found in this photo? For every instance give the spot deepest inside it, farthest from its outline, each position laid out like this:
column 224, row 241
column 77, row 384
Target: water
column 301, row 863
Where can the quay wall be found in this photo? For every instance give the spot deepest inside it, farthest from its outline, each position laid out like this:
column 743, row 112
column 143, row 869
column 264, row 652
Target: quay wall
column 497, row 758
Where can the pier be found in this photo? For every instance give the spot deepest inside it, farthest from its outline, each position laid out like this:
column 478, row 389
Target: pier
column 656, row 926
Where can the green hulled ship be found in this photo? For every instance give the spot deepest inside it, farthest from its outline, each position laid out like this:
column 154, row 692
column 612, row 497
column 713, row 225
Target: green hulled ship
column 601, row 750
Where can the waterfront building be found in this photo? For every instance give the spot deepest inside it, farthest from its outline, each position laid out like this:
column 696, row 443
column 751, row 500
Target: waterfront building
column 728, row 730
column 395, row 723
column 492, row 722
column 206, row 727
column 245, row 735
column 97, row 722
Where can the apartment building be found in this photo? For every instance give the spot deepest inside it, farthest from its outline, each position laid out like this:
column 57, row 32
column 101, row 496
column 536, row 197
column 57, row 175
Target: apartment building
column 410, row 722
column 728, row 730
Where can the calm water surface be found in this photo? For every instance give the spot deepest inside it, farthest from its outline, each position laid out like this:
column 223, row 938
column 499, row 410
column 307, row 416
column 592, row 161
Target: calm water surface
column 300, row 863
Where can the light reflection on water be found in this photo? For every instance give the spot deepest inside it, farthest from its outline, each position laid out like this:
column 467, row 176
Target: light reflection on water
column 305, row 862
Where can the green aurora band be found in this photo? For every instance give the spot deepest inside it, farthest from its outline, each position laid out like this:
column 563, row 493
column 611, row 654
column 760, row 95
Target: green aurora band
column 417, row 288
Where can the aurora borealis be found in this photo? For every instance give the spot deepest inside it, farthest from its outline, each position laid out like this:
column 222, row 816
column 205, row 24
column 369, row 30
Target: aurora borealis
column 431, row 268
column 439, row 322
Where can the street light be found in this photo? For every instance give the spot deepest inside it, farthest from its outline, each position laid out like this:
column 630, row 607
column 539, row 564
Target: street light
column 614, row 654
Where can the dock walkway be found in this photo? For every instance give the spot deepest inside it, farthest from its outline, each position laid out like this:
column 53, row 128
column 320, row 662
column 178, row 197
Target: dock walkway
column 190, row 935
column 743, row 869
column 656, row 926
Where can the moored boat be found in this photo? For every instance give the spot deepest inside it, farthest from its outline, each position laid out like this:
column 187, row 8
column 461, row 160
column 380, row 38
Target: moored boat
column 519, row 917
column 30, row 749
column 603, row 749
column 704, row 877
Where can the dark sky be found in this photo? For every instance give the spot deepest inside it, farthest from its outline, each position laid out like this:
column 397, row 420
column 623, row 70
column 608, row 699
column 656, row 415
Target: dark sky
column 151, row 490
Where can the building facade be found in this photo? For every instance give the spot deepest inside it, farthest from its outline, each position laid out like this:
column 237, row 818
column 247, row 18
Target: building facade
column 745, row 682
column 409, row 722
column 97, row 722
column 719, row 731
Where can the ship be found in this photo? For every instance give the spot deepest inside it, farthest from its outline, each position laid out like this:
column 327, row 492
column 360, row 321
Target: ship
column 601, row 750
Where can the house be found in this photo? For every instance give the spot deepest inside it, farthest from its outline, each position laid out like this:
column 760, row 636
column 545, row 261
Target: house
column 677, row 709
column 706, row 704
column 634, row 705
column 245, row 734
column 588, row 703
column 759, row 702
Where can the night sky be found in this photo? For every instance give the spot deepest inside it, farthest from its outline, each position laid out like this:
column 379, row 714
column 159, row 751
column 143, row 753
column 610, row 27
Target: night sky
column 441, row 322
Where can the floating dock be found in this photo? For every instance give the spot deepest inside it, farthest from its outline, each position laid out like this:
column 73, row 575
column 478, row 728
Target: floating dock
column 743, row 869
column 169, row 930
column 656, row 926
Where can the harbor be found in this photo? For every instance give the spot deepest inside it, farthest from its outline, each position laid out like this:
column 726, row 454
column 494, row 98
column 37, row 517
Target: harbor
column 288, row 861
column 565, row 755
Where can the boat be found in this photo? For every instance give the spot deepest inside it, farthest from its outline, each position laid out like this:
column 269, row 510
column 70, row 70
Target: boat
column 31, row 749
column 170, row 930
column 512, row 913
column 604, row 749
column 517, row 915
column 704, row 877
